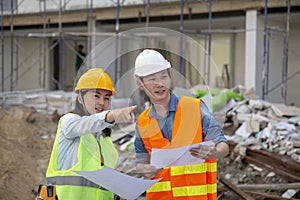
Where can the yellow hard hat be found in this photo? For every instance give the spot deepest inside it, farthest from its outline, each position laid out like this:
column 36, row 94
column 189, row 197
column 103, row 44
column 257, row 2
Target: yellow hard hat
column 95, row 78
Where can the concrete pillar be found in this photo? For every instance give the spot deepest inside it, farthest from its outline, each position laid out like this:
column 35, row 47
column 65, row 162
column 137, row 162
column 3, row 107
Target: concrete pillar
column 250, row 48
column 92, row 38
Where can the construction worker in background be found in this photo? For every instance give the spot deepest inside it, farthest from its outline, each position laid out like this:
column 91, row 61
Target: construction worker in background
column 80, row 56
column 172, row 122
column 83, row 140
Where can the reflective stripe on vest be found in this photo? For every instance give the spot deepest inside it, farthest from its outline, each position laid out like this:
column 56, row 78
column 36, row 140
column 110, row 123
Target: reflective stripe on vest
column 195, row 181
column 193, row 169
column 184, row 191
column 194, row 190
column 160, row 186
column 73, row 180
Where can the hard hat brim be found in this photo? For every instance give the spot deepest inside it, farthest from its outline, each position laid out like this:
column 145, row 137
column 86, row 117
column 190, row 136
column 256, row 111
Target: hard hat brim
column 147, row 70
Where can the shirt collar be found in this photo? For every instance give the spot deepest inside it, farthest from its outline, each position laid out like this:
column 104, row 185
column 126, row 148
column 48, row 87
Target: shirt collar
column 172, row 106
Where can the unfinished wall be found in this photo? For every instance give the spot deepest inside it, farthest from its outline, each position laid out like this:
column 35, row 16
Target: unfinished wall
column 239, row 59
column 276, row 42
column 293, row 96
column 220, row 56
column 30, row 68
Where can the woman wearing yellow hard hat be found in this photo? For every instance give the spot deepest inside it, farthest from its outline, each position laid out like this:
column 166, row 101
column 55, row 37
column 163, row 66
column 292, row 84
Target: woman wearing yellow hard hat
column 83, row 140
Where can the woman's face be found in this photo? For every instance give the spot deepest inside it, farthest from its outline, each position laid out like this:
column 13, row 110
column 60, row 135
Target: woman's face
column 96, row 100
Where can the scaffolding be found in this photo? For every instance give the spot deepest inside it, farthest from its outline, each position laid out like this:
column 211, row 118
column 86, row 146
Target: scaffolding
column 61, row 37
column 60, row 44
column 267, row 35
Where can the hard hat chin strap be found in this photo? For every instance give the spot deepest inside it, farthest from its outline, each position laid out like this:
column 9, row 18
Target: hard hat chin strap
column 81, row 93
column 144, row 86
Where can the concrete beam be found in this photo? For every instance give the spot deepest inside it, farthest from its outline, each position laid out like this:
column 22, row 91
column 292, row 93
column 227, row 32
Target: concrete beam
column 136, row 11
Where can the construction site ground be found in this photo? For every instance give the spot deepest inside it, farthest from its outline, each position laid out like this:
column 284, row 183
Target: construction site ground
column 26, row 142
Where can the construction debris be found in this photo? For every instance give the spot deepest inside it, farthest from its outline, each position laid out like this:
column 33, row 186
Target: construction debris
column 235, row 189
column 264, row 146
column 265, row 140
column 46, row 102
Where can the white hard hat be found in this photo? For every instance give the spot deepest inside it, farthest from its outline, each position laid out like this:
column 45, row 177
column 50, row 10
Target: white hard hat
column 149, row 62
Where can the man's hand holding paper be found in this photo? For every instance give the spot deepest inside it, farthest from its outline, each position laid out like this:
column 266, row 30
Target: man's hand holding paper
column 147, row 170
column 186, row 155
column 205, row 150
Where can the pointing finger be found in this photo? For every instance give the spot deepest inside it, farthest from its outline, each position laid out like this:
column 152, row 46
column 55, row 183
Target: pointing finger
column 132, row 108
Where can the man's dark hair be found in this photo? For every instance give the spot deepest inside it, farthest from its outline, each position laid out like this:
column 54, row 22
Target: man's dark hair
column 80, row 46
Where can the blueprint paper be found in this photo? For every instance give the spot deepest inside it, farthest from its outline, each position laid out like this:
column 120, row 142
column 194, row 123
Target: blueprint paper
column 176, row 157
column 126, row 186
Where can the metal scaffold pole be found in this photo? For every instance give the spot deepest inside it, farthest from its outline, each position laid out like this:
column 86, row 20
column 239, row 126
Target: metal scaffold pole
column 12, row 46
column 286, row 53
column 205, row 59
column 265, row 84
column 117, row 66
column 90, row 24
column 45, row 44
column 181, row 64
column 2, row 47
column 209, row 40
column 208, row 44
column 42, row 67
column 148, row 15
column 17, row 54
column 60, row 47
column 147, row 21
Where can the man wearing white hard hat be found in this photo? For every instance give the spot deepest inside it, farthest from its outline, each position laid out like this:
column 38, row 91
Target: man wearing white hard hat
column 173, row 122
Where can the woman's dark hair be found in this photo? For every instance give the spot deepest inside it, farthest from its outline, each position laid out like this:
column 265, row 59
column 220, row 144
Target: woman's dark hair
column 106, row 132
column 79, row 109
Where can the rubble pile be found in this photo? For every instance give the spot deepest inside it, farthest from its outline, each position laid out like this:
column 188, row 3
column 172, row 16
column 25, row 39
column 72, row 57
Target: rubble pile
column 45, row 102
column 264, row 140
column 259, row 126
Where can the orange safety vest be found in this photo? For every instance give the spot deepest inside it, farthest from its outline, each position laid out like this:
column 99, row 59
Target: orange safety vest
column 193, row 182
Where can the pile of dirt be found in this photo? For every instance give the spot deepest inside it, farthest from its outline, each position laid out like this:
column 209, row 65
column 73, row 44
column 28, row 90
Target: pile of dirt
column 25, row 146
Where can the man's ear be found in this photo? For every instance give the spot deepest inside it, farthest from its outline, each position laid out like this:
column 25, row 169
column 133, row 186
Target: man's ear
column 140, row 84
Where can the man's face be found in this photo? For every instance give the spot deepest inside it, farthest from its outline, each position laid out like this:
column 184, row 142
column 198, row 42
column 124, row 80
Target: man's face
column 97, row 101
column 157, row 86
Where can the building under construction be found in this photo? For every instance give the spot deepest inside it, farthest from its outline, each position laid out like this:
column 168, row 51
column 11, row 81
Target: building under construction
column 248, row 45
column 227, row 42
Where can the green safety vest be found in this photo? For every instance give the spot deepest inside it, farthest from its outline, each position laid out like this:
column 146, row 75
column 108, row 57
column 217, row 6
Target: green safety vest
column 69, row 185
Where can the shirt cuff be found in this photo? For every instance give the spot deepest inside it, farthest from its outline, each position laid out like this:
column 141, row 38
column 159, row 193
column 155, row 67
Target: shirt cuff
column 101, row 116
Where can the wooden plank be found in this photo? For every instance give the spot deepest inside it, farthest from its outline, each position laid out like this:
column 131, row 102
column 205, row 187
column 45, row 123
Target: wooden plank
column 235, row 189
column 280, row 163
column 269, row 196
column 272, row 167
column 272, row 186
